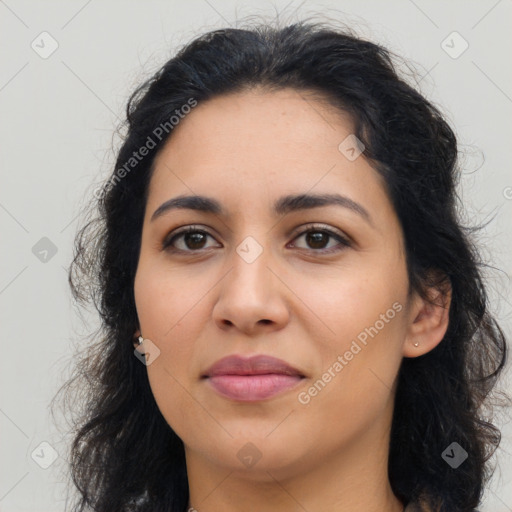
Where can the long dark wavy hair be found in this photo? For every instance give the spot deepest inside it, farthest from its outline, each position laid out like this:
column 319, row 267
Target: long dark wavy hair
column 124, row 456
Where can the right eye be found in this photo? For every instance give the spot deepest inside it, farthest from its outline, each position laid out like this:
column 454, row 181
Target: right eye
column 191, row 238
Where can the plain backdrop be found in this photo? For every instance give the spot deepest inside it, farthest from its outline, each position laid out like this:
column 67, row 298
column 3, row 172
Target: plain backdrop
column 66, row 70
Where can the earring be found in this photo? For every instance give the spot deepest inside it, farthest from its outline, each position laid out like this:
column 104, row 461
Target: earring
column 416, row 344
column 140, row 339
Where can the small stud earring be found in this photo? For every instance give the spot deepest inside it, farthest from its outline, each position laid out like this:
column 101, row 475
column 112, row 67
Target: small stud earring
column 140, row 340
column 416, row 344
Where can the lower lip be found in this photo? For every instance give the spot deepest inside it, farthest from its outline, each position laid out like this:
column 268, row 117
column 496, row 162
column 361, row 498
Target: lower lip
column 251, row 388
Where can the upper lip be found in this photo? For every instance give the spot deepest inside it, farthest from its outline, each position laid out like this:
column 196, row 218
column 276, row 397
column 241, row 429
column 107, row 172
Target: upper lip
column 254, row 365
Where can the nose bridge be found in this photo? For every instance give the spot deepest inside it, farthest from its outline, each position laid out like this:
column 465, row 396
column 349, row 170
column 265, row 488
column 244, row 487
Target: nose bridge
column 250, row 295
column 250, row 261
column 251, row 253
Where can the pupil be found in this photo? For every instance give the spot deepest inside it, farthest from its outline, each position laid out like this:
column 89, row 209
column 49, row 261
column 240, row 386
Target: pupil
column 194, row 238
column 315, row 238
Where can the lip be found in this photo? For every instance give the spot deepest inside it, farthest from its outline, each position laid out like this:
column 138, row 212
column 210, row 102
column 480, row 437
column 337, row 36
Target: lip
column 252, row 379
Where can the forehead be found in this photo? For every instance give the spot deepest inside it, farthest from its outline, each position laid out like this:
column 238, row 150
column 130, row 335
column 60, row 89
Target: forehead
column 252, row 118
column 256, row 144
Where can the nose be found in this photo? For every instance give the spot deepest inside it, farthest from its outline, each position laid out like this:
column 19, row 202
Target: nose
column 252, row 297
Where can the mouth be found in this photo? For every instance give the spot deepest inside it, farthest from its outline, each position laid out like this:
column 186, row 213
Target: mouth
column 252, row 379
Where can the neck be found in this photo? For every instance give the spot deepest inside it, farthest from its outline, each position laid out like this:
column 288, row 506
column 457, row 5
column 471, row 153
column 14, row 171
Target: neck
column 355, row 477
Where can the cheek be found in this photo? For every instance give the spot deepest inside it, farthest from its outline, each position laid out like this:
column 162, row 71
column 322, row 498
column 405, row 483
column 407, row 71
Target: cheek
column 363, row 312
column 342, row 302
column 353, row 387
column 170, row 313
column 169, row 309
column 165, row 298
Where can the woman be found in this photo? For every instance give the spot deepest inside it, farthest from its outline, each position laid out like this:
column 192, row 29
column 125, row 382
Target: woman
column 293, row 317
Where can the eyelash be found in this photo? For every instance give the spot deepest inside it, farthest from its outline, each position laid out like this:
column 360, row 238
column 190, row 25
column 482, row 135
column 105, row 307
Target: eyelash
column 344, row 242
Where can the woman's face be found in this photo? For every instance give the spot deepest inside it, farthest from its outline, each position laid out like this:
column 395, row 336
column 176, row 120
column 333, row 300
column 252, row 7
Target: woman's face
column 250, row 281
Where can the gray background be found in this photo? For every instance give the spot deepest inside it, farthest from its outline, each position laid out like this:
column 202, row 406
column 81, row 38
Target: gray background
column 58, row 114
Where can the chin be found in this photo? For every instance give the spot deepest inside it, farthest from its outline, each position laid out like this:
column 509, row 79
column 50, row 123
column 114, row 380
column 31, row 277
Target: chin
column 256, row 455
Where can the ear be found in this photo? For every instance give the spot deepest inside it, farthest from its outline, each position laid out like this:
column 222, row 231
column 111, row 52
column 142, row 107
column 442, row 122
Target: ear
column 135, row 338
column 428, row 318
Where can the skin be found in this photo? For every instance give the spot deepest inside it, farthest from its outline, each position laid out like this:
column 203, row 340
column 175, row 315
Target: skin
column 293, row 302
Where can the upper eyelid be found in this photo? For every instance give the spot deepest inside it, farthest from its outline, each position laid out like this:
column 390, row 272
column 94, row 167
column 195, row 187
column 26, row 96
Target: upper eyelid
column 299, row 230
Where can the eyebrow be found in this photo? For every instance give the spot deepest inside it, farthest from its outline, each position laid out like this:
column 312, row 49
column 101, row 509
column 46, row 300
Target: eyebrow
column 284, row 205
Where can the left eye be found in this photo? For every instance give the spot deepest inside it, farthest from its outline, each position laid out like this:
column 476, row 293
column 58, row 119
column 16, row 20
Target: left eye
column 317, row 239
